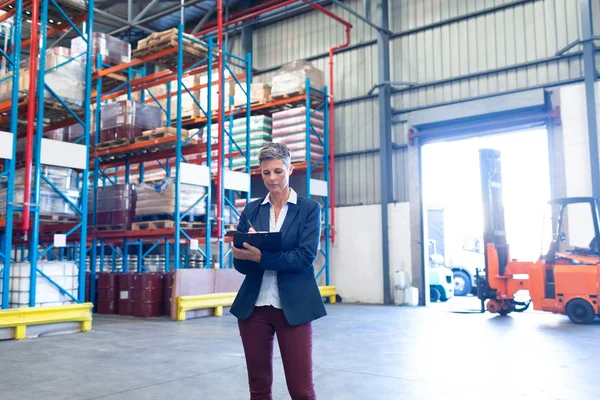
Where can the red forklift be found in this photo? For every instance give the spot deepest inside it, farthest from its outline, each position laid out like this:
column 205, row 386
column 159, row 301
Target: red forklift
column 565, row 279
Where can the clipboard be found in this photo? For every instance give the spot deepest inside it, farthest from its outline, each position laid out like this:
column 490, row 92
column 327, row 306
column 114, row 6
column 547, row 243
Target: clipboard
column 265, row 241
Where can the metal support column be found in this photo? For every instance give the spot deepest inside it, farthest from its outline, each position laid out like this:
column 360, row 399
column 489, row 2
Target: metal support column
column 385, row 138
column 86, row 140
column 247, row 32
column 589, row 62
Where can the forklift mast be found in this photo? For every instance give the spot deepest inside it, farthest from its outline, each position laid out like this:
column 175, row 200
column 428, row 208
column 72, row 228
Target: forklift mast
column 494, row 231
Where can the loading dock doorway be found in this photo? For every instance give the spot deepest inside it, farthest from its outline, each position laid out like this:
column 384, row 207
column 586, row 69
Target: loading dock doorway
column 452, row 207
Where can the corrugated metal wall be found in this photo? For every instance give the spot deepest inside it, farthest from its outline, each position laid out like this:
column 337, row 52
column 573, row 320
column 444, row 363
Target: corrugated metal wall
column 496, row 50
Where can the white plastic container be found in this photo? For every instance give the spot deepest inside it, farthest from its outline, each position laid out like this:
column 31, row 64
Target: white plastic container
column 411, row 296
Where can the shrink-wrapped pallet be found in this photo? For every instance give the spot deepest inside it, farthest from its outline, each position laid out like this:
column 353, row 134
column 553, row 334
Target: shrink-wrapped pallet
column 291, row 79
column 114, row 51
column 115, row 205
column 159, row 199
column 64, row 76
column 127, row 120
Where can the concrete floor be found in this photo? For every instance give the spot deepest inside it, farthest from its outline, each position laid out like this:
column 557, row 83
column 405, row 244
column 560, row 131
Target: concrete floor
column 361, row 352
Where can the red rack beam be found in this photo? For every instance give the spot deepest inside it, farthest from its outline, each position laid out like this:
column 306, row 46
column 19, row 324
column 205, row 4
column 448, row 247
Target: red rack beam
column 31, row 113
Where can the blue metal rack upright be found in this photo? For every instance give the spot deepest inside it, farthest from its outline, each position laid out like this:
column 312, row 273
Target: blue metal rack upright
column 39, row 177
column 14, row 60
column 234, row 146
column 313, row 101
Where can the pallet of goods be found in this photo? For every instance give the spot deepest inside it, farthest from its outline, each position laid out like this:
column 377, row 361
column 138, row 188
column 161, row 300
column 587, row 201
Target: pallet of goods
column 123, row 121
column 260, row 128
column 65, row 78
column 289, row 128
column 193, row 49
column 113, row 51
column 260, row 93
column 53, row 208
column 115, row 207
column 158, row 200
column 189, row 108
column 290, row 80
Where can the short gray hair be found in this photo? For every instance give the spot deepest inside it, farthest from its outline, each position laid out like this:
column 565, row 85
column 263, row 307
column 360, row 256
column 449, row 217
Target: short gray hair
column 275, row 151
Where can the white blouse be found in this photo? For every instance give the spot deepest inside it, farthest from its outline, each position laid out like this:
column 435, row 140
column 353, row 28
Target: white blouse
column 269, row 289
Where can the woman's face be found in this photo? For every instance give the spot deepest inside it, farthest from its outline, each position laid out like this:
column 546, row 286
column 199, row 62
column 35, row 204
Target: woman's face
column 276, row 175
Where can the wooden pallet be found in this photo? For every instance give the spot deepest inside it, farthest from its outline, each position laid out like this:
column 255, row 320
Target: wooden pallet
column 110, row 228
column 289, row 95
column 165, row 131
column 256, row 102
column 54, row 111
column 161, row 133
column 49, row 219
column 165, row 224
column 113, row 143
column 167, row 217
column 160, row 41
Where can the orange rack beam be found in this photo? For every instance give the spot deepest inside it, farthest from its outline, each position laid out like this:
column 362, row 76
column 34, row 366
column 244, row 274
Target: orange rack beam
column 256, row 107
column 138, row 147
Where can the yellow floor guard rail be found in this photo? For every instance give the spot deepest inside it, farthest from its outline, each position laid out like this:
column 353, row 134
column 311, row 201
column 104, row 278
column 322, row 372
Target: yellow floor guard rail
column 21, row 318
column 220, row 300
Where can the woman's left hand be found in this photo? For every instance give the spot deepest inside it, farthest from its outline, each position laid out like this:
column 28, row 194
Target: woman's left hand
column 249, row 253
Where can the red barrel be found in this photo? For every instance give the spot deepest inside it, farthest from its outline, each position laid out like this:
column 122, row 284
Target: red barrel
column 168, row 279
column 108, row 293
column 147, row 295
column 88, row 280
column 126, row 294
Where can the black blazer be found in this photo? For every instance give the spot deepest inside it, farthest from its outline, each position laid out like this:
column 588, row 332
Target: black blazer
column 299, row 293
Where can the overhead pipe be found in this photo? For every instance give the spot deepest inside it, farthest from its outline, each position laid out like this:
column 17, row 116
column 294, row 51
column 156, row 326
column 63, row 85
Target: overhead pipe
column 31, row 113
column 247, row 14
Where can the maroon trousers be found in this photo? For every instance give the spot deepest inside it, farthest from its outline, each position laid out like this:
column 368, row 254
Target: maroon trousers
column 295, row 345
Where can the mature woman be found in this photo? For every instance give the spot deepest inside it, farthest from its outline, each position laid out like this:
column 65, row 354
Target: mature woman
column 280, row 293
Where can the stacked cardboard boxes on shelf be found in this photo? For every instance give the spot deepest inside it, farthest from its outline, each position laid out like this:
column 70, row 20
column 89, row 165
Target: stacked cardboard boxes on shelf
column 260, row 93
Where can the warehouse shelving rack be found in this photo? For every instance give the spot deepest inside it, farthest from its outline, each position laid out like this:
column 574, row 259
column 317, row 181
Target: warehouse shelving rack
column 55, row 108
column 176, row 149
column 39, row 177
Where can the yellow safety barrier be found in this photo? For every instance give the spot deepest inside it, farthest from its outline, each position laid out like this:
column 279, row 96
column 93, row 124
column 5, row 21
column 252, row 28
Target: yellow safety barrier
column 21, row 318
column 220, row 300
column 203, row 301
column 330, row 292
